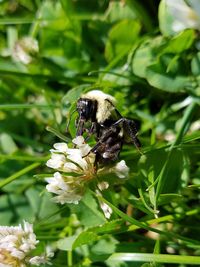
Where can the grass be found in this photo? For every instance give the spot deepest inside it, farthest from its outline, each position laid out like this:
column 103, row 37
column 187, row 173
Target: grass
column 154, row 76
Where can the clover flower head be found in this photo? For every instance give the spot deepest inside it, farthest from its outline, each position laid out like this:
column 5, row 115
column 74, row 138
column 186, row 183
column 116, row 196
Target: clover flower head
column 24, row 50
column 75, row 167
column 16, row 244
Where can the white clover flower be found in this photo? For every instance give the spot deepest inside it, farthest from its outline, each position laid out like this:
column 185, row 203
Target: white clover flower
column 16, row 244
column 75, row 167
column 176, row 16
column 77, row 161
column 24, row 49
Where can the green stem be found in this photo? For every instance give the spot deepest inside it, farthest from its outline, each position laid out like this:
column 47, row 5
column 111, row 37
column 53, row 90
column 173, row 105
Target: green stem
column 166, row 218
column 69, row 253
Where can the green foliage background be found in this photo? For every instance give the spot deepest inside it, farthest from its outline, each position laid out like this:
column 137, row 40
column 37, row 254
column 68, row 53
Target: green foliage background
column 117, row 47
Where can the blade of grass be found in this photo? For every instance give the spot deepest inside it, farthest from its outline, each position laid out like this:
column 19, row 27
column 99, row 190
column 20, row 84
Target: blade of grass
column 130, row 219
column 18, row 174
column 162, row 258
column 24, row 106
column 144, row 225
column 54, row 77
column 23, row 158
column 184, row 124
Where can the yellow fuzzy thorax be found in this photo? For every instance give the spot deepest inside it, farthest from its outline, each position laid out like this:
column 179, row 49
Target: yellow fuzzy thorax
column 105, row 104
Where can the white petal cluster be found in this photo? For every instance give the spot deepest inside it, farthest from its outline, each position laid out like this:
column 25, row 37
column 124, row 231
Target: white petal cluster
column 24, row 49
column 75, row 167
column 72, row 160
column 16, row 244
column 120, row 169
column 68, row 189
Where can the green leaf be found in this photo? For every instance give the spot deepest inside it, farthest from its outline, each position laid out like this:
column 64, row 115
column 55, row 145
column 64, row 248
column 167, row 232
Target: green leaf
column 14, row 206
column 121, row 38
column 104, row 247
column 85, row 238
column 66, row 243
column 145, row 55
column 174, row 80
column 169, row 198
column 88, row 211
column 94, row 233
column 39, row 203
column 181, row 42
column 74, row 94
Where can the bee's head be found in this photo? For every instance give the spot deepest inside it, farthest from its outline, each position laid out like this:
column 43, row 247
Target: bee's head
column 87, row 109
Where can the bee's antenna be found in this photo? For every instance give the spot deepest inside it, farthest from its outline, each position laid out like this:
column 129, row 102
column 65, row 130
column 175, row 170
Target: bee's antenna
column 69, row 116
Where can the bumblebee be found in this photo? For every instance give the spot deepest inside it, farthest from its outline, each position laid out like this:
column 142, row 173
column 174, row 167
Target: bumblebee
column 110, row 128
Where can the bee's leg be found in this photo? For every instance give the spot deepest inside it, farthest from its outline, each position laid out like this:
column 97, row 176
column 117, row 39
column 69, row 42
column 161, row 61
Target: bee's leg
column 96, row 147
column 93, row 129
column 112, row 152
column 103, row 141
column 79, row 126
column 130, row 128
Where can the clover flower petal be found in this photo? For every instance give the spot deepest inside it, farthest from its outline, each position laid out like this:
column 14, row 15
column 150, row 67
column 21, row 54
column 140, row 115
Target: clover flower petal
column 56, row 161
column 61, row 147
